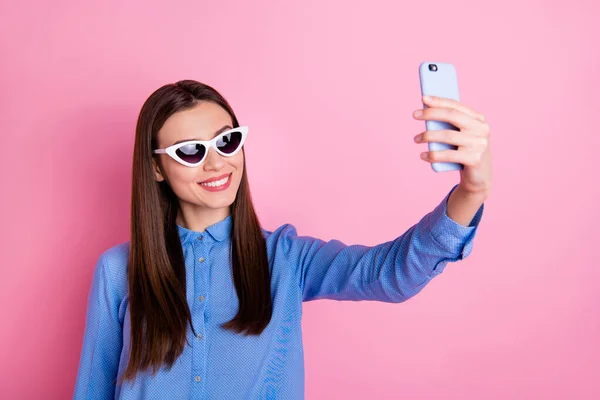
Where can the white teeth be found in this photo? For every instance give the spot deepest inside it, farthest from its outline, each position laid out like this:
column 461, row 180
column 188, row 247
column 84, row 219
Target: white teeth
column 216, row 183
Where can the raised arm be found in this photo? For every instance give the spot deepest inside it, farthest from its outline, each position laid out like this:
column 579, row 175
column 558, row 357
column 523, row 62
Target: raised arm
column 390, row 272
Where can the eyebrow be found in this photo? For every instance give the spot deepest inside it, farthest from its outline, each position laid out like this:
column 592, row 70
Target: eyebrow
column 223, row 129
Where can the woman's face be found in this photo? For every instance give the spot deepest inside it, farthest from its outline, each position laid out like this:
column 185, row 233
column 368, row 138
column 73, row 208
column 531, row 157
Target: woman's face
column 202, row 122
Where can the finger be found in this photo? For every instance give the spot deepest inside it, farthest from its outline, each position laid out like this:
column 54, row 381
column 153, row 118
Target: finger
column 433, row 101
column 456, row 138
column 464, row 157
column 450, row 115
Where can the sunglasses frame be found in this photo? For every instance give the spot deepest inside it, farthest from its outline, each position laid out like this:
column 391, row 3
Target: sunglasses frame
column 208, row 144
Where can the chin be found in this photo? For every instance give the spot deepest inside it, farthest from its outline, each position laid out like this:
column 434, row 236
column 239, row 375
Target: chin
column 220, row 203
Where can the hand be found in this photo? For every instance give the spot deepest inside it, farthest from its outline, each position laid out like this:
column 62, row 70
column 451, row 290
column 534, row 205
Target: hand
column 472, row 140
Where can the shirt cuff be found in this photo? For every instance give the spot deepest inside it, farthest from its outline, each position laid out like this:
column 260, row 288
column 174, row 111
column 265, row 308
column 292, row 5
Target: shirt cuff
column 451, row 236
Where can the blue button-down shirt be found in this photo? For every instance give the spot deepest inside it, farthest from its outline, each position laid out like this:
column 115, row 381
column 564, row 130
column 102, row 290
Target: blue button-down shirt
column 220, row 364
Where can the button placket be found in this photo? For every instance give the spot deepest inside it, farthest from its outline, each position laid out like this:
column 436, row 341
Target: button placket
column 200, row 270
column 201, row 260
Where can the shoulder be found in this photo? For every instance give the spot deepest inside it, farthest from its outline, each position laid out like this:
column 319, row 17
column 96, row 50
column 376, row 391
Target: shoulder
column 287, row 240
column 283, row 234
column 116, row 255
column 112, row 266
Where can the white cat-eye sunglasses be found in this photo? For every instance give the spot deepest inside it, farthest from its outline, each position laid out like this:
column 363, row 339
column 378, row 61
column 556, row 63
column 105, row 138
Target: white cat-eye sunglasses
column 193, row 152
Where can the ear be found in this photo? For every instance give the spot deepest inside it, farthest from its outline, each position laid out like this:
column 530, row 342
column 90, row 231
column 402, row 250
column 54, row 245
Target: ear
column 157, row 172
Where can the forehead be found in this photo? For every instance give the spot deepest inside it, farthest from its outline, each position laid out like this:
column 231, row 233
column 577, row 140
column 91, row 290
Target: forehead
column 200, row 122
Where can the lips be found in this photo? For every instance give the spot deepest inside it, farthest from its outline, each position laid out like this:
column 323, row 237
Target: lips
column 216, row 178
column 211, row 185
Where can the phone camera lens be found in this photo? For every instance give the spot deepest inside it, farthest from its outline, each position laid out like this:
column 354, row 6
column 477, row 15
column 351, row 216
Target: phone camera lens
column 432, row 67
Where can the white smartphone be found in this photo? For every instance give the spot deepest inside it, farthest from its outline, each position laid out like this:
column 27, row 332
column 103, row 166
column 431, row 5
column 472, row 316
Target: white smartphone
column 439, row 79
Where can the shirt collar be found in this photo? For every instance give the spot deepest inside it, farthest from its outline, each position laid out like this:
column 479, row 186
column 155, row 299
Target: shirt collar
column 219, row 231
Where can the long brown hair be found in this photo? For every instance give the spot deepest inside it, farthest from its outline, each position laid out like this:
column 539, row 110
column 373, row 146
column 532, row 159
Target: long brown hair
column 156, row 270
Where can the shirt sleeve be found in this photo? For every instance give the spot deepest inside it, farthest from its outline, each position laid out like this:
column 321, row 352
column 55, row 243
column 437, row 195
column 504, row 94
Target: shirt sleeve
column 390, row 272
column 102, row 341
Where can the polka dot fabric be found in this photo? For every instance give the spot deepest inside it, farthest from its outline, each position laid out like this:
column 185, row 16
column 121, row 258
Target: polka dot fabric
column 218, row 364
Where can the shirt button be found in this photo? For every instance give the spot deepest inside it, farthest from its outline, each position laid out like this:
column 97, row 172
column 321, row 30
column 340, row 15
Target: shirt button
column 201, row 298
column 199, row 336
column 201, row 259
column 200, row 237
column 197, row 378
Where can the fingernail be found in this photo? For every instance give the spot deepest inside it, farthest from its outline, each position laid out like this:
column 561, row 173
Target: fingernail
column 418, row 113
column 424, row 155
column 418, row 137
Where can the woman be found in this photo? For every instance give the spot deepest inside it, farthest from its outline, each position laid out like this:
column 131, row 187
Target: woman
column 203, row 302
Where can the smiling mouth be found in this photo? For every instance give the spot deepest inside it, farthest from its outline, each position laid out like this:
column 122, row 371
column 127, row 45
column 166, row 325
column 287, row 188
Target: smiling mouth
column 215, row 184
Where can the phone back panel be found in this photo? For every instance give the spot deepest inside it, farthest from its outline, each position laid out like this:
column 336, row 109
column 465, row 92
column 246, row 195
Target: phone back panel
column 440, row 83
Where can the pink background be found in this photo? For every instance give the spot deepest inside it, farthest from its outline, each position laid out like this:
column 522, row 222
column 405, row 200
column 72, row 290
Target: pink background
column 520, row 318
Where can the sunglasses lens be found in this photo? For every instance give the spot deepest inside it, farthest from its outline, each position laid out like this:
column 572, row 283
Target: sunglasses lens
column 191, row 153
column 230, row 142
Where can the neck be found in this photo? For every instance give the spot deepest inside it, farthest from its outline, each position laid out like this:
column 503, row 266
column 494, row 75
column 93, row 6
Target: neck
column 199, row 218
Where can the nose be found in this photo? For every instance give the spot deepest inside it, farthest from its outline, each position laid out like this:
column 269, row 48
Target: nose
column 214, row 161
